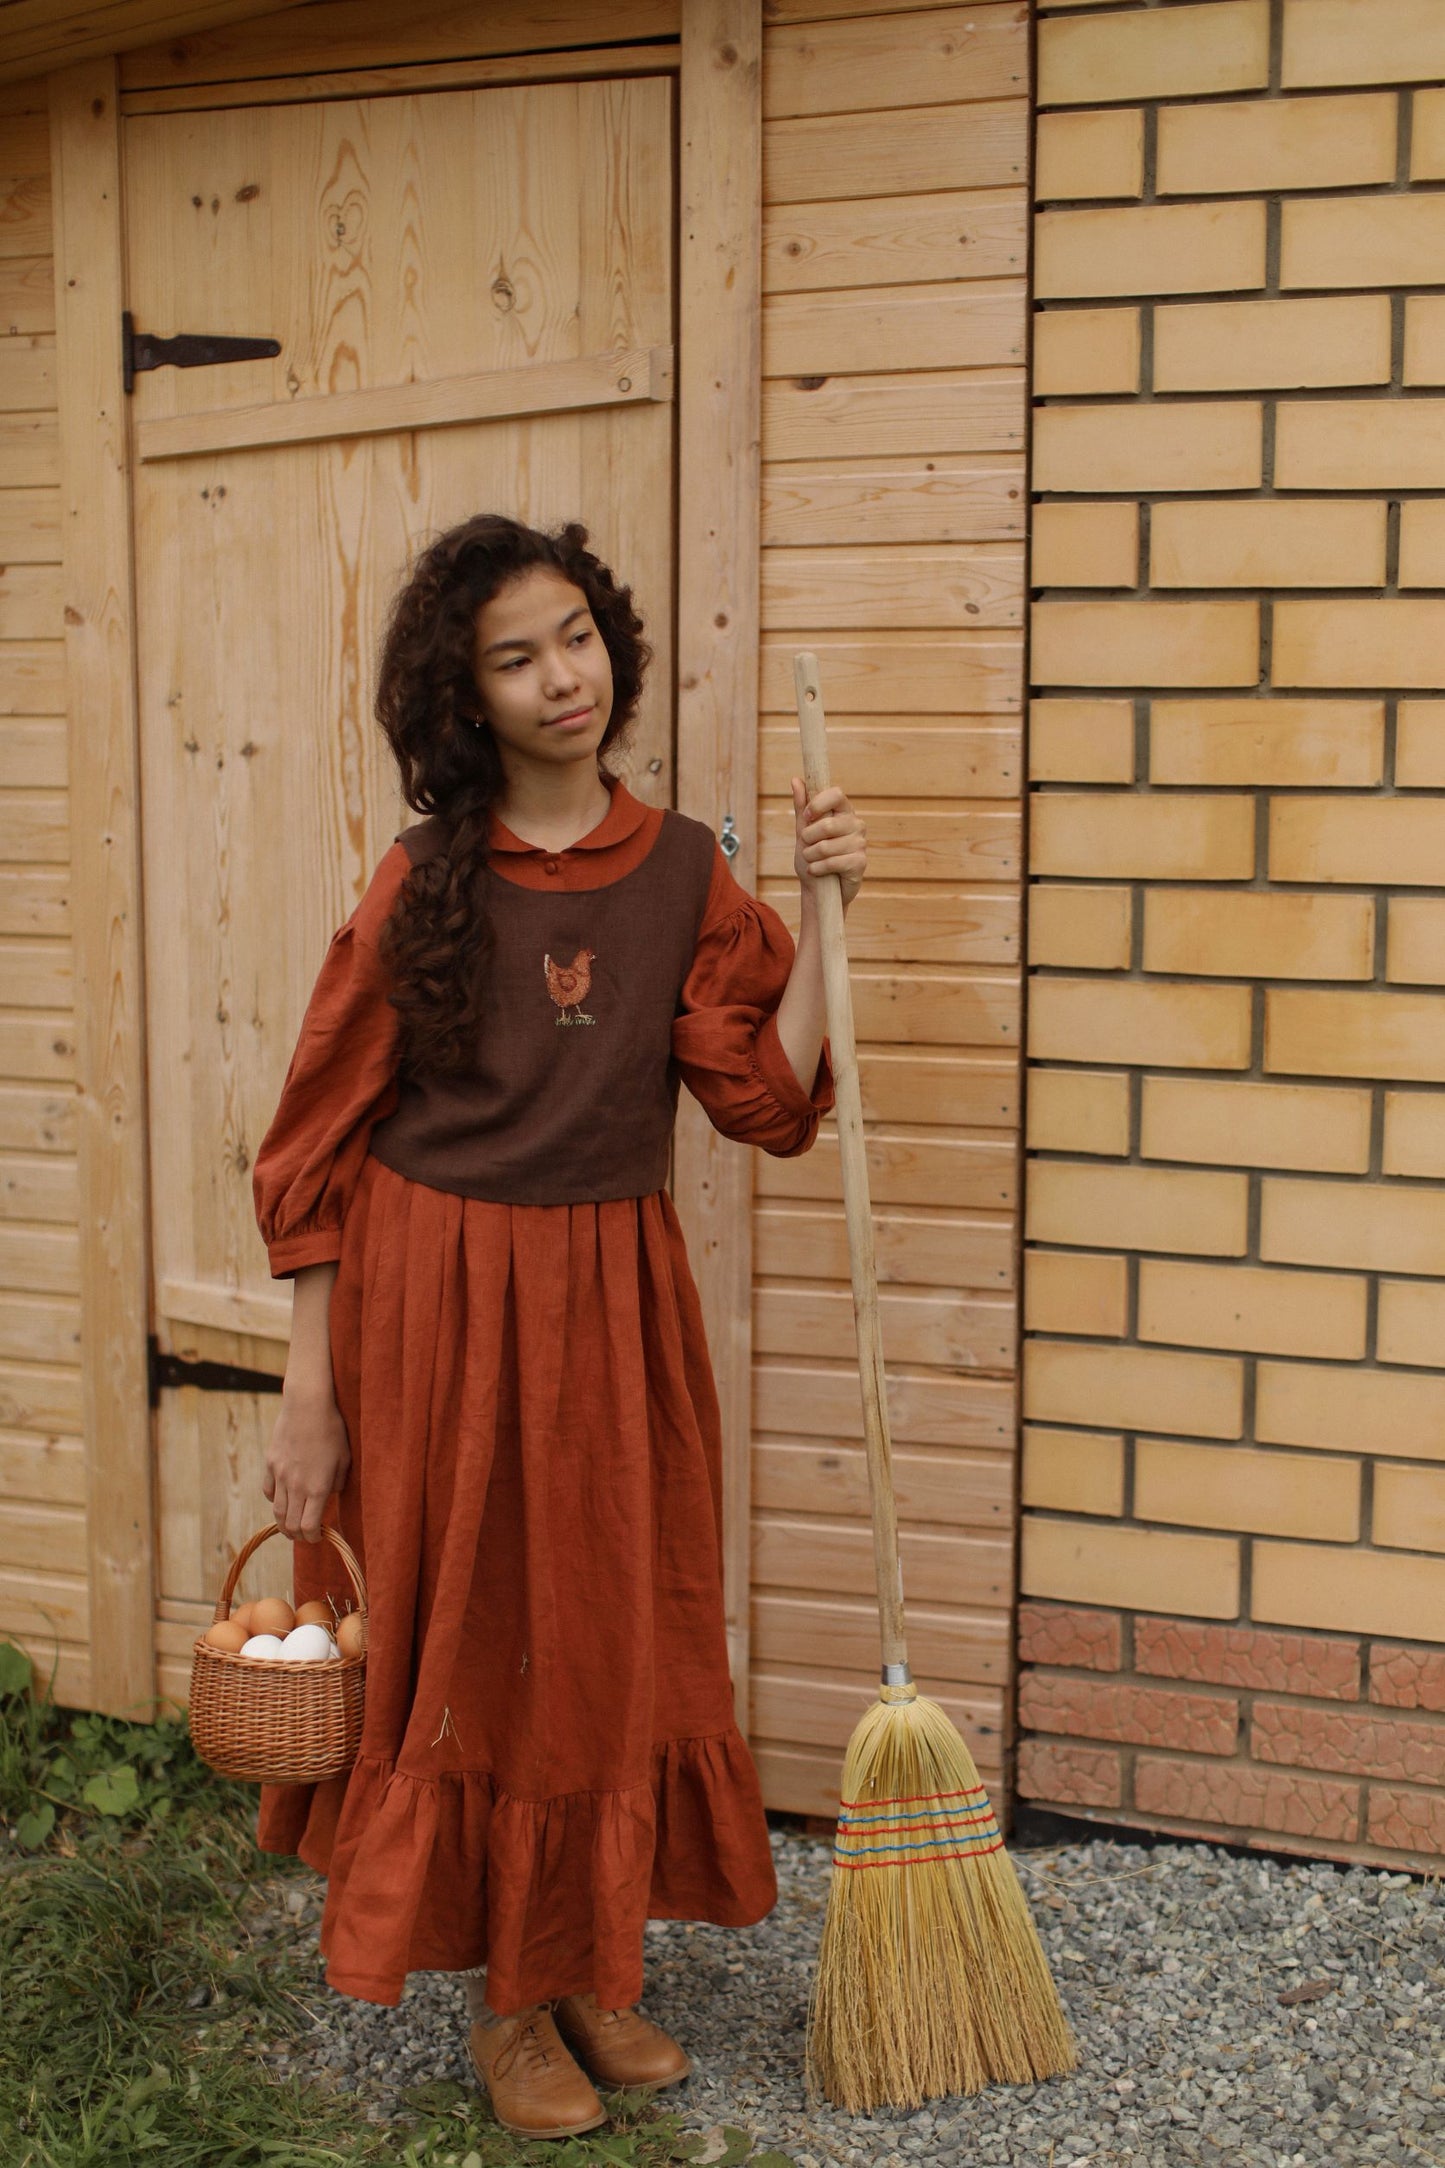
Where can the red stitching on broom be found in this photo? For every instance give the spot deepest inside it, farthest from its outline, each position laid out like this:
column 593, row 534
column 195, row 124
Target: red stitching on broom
column 904, row 1829
column 932, row 1861
column 915, row 1799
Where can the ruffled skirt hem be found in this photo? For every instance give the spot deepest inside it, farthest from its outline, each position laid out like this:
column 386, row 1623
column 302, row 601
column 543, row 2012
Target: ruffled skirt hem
column 446, row 1873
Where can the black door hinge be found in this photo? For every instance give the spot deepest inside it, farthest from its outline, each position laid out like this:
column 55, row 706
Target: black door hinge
column 188, row 350
column 166, row 1370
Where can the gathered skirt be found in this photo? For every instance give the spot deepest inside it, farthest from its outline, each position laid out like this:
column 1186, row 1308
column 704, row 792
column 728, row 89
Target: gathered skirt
column 550, row 1755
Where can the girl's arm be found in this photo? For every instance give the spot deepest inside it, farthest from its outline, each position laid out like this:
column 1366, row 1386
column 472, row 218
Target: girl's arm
column 830, row 840
column 309, row 1456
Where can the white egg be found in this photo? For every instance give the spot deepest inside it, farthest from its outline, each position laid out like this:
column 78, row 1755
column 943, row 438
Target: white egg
column 306, row 1645
column 332, row 1649
column 262, row 1645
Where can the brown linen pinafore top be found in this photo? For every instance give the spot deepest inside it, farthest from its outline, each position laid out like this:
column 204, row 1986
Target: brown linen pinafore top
column 550, row 1755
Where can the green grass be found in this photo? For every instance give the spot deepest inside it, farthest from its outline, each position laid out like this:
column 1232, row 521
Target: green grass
column 129, row 1884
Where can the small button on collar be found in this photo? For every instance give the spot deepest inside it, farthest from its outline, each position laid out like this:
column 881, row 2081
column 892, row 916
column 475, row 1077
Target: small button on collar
column 549, row 865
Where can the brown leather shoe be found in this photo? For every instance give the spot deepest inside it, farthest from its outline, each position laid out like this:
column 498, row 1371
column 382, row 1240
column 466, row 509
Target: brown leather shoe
column 537, row 2090
column 620, row 2047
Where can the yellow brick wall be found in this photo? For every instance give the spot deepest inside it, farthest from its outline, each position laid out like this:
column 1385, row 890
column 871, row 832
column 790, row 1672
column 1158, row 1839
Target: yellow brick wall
column 1234, row 1398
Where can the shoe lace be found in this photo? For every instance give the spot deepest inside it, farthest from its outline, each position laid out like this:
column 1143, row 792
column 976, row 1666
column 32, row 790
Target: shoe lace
column 527, row 2046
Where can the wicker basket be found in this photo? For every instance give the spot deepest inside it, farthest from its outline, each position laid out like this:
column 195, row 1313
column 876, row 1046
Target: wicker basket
column 275, row 1722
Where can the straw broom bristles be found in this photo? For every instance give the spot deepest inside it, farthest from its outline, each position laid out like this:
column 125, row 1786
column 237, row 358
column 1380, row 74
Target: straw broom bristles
column 930, row 1977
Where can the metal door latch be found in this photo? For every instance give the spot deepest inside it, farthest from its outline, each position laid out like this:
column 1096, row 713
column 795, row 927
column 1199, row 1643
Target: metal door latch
column 188, row 350
column 729, row 842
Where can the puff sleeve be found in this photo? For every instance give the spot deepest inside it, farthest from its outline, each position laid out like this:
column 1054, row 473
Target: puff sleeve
column 725, row 1036
column 341, row 1082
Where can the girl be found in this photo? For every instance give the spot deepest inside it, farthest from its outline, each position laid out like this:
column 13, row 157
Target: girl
column 497, row 1368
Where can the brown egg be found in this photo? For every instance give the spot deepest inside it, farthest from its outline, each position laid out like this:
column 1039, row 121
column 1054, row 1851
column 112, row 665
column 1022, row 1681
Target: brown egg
column 226, row 1634
column 351, row 1634
column 241, row 1614
column 272, row 1615
column 315, row 1613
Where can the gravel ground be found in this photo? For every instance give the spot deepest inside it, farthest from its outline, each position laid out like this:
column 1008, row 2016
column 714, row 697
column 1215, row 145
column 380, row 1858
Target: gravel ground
column 1172, row 1961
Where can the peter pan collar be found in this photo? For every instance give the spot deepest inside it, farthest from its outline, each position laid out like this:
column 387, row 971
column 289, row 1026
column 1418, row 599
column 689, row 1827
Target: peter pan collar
column 622, row 819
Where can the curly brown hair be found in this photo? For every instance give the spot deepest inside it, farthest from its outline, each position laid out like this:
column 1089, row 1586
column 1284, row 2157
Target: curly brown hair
column 427, row 702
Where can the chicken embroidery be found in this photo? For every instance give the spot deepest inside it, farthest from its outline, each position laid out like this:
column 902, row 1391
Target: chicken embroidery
column 569, row 985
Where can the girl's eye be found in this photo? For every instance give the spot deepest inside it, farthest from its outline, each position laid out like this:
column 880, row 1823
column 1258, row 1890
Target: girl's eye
column 516, row 662
column 584, row 634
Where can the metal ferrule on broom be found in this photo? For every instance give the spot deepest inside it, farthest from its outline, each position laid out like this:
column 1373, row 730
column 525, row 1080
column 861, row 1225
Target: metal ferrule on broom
column 930, row 1978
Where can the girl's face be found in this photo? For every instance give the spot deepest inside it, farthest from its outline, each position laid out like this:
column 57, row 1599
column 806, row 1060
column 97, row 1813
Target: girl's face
column 542, row 670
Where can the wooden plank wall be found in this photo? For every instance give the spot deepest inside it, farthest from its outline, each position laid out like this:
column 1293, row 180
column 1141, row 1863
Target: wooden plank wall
column 893, row 504
column 1234, row 1463
column 43, row 1549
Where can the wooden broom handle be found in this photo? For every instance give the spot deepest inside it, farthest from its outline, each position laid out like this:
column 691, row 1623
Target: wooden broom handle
column 858, row 1211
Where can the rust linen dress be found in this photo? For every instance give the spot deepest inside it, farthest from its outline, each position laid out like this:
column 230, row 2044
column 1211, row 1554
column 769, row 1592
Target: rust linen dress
column 550, row 1755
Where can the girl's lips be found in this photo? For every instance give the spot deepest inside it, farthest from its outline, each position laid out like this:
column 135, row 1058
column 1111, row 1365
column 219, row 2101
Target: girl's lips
column 572, row 721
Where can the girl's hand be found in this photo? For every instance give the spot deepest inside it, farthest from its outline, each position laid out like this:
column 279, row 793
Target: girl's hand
column 830, row 839
column 309, row 1457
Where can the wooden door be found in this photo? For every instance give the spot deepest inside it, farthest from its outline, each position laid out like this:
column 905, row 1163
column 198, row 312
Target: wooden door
column 472, row 291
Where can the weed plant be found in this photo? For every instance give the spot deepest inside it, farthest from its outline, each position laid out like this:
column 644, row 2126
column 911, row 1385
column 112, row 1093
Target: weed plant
column 137, row 1987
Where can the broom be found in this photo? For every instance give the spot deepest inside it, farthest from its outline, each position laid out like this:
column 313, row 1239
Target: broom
column 930, row 1977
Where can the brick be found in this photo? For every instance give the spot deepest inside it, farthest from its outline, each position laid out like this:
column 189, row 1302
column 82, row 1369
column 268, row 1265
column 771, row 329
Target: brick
column 1234, row 1123
column 1255, row 933
column 1098, row 1562
column 1051, row 1633
column 1415, row 940
column 1134, row 1715
column 1089, row 154
column 1173, row 53
column 1425, row 339
column 1409, row 1509
column 1134, row 1388
column 1400, row 1678
column 1292, row 345
column 1420, row 745
column 1372, row 1592
column 1314, row 742
column 1358, row 444
column 1078, row 928
column 1410, row 1327
column 1155, row 248
column 1121, row 450
column 1131, row 1020
column 1376, row 842
column 1069, row 1776
column 1407, row 1821
column 1174, row 1648
column 1414, row 1134
column 1352, row 1741
column 1268, row 542
column 1128, row 642
column 1133, row 836
column 1081, row 741
column 1143, row 1208
column 1422, row 542
column 1382, row 641
column 1355, row 241
column 1073, row 1471
column 1077, row 1110
column 1085, row 350
column 1427, row 136
column 1067, row 1292
column 1218, row 149
column 1361, row 41
column 1084, row 545
column 1355, row 1034
column 1335, row 1408
column 1243, row 1797
column 1267, row 1494
column 1252, row 1307
column 1368, row 1226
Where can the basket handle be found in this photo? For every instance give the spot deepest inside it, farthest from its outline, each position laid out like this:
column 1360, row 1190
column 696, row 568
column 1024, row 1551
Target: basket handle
column 263, row 1535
